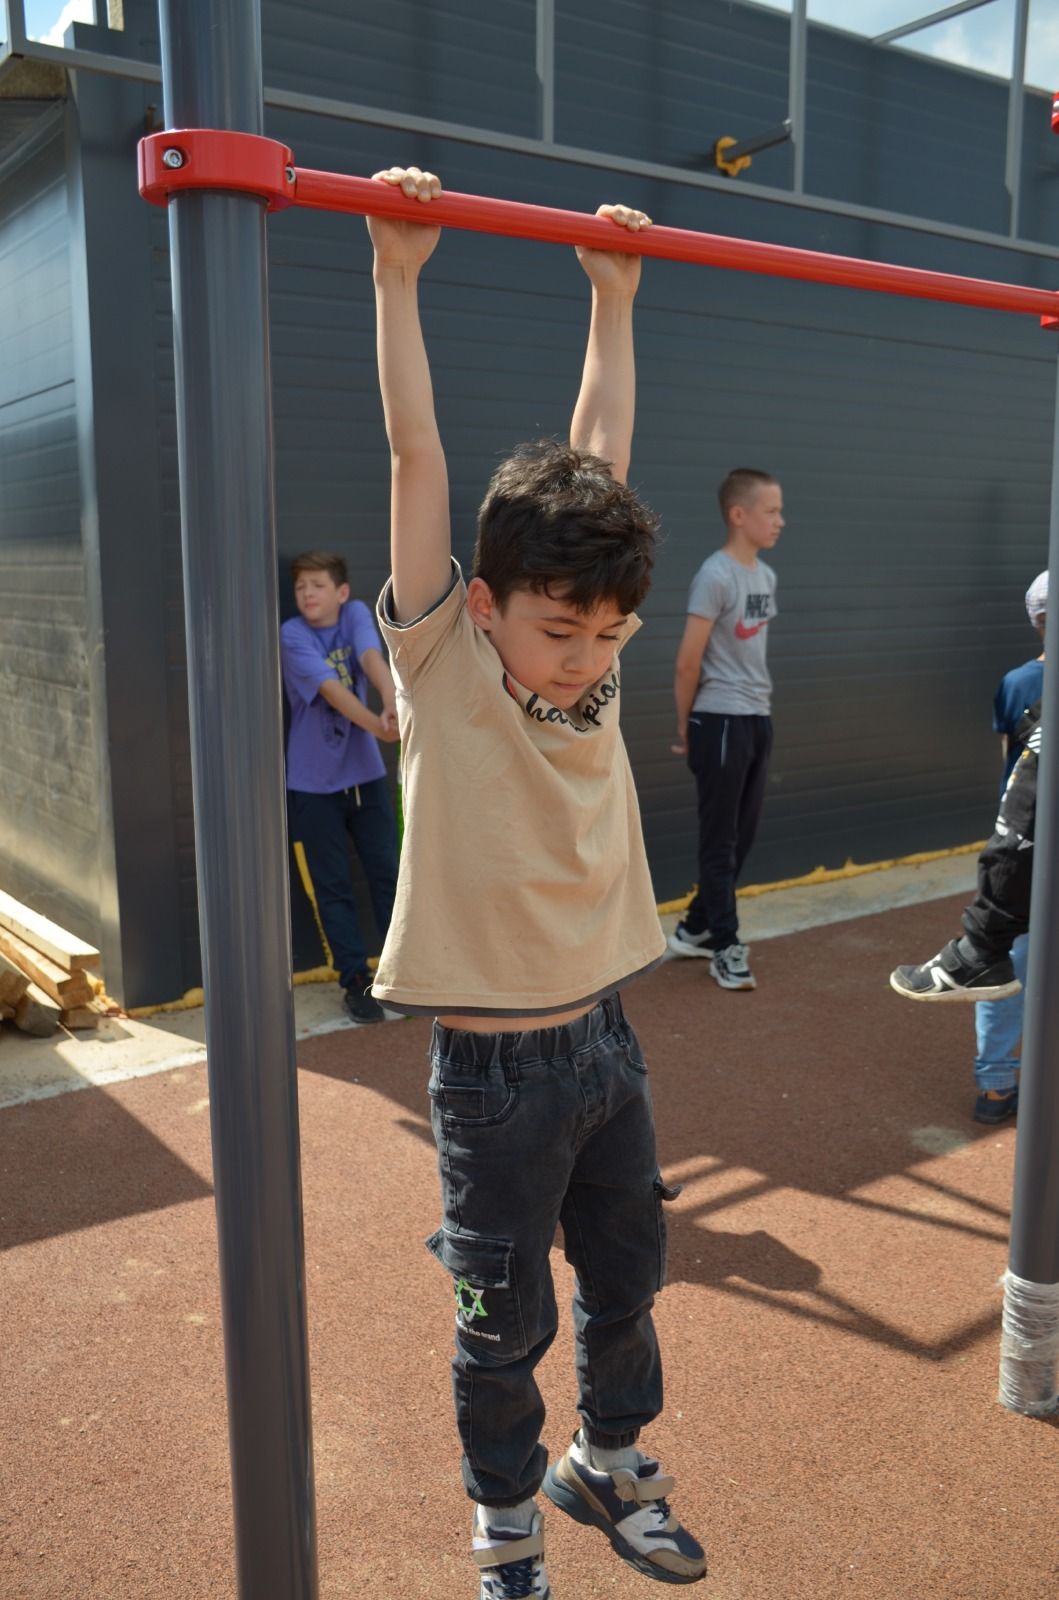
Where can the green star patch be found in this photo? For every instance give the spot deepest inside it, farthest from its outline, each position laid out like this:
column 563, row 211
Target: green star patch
column 469, row 1301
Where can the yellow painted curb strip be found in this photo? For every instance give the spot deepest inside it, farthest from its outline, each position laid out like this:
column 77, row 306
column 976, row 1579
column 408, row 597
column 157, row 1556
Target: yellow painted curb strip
column 194, row 997
column 834, row 874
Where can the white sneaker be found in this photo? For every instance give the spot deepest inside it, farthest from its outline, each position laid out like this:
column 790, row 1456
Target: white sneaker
column 519, row 1572
column 731, row 969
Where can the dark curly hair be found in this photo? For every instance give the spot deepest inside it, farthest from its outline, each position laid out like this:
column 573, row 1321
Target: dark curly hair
column 554, row 520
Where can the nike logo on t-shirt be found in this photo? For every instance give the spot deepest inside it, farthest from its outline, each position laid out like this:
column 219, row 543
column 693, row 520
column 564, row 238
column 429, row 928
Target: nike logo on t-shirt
column 743, row 632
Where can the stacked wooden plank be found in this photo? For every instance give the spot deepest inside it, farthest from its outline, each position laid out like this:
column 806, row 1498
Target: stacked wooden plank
column 48, row 977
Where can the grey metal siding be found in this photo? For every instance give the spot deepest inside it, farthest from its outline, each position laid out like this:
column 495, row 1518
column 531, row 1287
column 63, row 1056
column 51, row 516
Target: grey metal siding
column 176, row 708
column 885, row 128
column 912, row 440
column 48, row 795
column 460, row 60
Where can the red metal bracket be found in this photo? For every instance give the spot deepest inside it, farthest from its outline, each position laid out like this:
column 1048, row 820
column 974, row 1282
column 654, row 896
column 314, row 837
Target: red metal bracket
column 210, row 158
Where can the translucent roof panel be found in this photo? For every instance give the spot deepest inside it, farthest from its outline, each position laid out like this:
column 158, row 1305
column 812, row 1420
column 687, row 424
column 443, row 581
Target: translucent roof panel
column 981, row 39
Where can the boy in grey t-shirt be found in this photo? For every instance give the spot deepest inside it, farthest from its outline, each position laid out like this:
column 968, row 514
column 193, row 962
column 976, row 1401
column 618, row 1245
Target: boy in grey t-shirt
column 723, row 696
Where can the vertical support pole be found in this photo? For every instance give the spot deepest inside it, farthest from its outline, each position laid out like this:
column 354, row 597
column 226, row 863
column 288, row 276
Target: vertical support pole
column 546, row 71
column 211, row 66
column 1016, row 105
column 16, row 27
column 796, row 88
column 1030, row 1341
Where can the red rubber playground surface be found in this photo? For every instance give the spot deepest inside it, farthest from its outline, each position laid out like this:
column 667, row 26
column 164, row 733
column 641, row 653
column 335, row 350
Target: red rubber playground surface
column 830, row 1329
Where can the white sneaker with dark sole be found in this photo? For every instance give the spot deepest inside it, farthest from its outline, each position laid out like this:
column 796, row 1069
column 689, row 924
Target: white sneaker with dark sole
column 730, row 969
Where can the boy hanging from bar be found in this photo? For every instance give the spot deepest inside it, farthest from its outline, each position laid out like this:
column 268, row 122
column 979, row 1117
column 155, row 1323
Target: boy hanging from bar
column 524, row 903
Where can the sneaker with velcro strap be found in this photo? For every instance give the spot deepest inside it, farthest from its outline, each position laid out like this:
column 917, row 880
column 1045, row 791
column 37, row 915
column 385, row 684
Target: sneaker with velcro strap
column 511, row 1561
column 630, row 1507
column 959, row 972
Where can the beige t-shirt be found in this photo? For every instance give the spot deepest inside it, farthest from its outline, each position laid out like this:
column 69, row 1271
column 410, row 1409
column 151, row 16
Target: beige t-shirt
column 524, row 885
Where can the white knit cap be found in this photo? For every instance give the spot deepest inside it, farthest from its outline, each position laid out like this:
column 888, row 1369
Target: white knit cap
column 1037, row 597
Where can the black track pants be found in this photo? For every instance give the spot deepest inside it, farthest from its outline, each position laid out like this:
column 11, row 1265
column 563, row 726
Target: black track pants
column 729, row 759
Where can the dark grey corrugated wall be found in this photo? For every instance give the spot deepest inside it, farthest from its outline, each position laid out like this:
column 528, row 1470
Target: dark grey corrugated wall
column 912, row 440
column 49, row 817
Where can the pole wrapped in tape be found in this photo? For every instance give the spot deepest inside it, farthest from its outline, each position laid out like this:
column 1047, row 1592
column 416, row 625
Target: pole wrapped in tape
column 1029, row 1346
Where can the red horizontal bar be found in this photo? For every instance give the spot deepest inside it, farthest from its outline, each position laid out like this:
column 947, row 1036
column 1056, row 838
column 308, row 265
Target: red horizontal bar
column 333, row 191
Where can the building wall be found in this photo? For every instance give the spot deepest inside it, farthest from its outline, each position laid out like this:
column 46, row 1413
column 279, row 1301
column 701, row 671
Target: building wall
column 49, row 812
column 913, row 440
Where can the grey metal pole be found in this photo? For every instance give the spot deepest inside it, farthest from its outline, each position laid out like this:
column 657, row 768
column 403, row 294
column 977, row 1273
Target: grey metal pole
column 211, row 64
column 1016, row 106
column 797, row 68
column 1030, row 1339
column 546, row 71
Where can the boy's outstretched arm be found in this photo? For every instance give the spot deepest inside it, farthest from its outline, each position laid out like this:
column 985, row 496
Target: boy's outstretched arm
column 606, row 405
column 420, row 532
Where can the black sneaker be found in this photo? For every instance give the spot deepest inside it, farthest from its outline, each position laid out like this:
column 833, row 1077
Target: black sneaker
column 957, row 973
column 683, row 943
column 996, row 1105
column 520, row 1575
column 361, row 1005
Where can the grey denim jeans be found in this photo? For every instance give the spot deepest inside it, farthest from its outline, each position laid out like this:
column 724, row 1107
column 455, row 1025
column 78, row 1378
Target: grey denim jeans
column 533, row 1129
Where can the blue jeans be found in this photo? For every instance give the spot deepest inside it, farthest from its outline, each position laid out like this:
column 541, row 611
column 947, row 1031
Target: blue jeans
column 532, row 1129
column 324, row 824
column 998, row 1030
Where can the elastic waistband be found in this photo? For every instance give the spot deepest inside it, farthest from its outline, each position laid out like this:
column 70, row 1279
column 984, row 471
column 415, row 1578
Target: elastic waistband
column 534, row 1044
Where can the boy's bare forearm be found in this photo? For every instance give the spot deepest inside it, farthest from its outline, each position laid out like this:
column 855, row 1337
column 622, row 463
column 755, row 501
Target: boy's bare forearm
column 604, row 413
column 351, row 707
column 685, row 688
column 420, row 535
column 606, row 406
column 404, row 371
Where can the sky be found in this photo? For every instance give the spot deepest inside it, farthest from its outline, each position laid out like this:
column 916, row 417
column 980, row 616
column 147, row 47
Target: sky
column 981, row 38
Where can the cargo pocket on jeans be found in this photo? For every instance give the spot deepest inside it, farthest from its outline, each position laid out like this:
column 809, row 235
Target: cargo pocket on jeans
column 488, row 1312
column 665, row 1193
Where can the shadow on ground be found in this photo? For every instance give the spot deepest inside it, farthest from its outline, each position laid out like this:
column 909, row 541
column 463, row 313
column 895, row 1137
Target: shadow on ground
column 821, row 1083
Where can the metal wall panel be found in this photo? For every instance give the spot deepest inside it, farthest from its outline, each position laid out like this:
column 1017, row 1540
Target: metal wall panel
column 48, row 782
column 462, row 60
column 885, row 128
column 911, row 439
